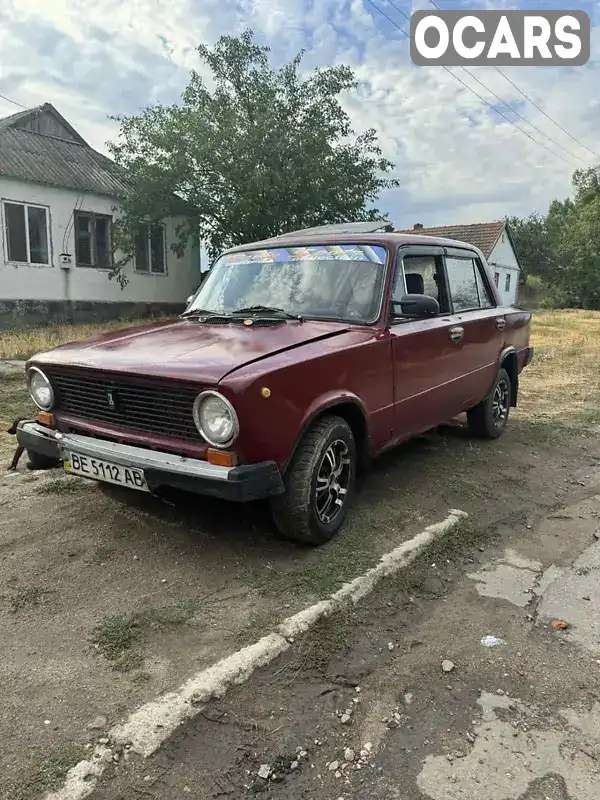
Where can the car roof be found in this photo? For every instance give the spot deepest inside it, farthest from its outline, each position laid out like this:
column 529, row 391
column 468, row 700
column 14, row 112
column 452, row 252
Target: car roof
column 392, row 239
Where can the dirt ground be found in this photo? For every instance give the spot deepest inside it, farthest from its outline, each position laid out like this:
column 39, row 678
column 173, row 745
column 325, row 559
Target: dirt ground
column 107, row 599
column 519, row 720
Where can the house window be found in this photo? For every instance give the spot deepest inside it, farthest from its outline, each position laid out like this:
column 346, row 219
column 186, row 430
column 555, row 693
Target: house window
column 496, row 278
column 92, row 240
column 507, row 283
column 150, row 250
column 27, row 232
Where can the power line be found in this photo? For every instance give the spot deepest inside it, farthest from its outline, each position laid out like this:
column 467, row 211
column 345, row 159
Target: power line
column 514, row 110
column 535, row 105
column 466, row 85
column 14, row 102
column 504, row 103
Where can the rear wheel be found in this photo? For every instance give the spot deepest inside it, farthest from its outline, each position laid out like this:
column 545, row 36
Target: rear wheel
column 488, row 419
column 320, row 484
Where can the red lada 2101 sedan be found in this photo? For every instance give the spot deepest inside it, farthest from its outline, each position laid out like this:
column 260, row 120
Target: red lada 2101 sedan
column 297, row 360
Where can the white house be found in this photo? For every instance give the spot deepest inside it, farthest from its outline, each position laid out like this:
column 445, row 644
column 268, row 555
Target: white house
column 495, row 241
column 58, row 200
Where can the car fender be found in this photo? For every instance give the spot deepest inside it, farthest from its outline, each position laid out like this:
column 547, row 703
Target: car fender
column 507, row 351
column 319, row 406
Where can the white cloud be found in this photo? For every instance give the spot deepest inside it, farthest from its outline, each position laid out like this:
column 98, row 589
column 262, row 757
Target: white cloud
column 456, row 159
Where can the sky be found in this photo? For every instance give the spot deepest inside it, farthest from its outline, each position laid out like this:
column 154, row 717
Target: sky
column 456, row 159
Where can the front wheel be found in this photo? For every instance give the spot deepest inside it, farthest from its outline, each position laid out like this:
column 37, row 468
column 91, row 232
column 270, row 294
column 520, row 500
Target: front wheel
column 319, row 483
column 488, row 419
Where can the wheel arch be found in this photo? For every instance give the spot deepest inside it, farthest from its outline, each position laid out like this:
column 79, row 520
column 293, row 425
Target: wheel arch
column 509, row 362
column 351, row 409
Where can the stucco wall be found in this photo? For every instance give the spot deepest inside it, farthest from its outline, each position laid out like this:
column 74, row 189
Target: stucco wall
column 84, row 285
column 504, row 262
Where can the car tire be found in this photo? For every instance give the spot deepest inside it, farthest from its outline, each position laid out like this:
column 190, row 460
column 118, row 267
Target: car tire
column 488, row 419
column 40, row 461
column 310, row 511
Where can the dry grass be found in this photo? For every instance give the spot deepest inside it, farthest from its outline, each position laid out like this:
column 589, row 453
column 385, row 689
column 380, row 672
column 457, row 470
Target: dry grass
column 26, row 342
column 563, row 381
column 14, row 403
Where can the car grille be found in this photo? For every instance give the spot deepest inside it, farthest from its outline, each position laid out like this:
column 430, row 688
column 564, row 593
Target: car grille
column 157, row 408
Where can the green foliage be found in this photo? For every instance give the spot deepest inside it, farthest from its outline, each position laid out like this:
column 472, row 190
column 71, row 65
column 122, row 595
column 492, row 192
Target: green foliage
column 562, row 248
column 257, row 152
column 532, row 244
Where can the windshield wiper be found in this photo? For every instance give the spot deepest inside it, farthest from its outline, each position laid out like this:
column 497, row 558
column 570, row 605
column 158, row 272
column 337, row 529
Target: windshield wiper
column 269, row 310
column 203, row 312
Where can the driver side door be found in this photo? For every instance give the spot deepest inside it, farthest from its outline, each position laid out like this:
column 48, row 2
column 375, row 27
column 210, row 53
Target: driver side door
column 426, row 353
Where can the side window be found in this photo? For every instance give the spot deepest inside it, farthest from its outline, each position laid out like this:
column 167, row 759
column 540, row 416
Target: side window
column 420, row 275
column 485, row 298
column 462, row 279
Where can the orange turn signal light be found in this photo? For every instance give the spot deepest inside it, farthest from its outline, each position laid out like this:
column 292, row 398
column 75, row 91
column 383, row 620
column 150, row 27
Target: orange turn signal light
column 45, row 417
column 221, row 458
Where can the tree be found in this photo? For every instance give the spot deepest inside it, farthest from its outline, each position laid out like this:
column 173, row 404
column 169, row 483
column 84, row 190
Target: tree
column 261, row 152
column 533, row 245
column 562, row 248
column 578, row 250
column 586, row 183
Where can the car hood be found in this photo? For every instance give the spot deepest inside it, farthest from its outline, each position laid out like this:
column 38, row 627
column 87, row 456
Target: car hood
column 186, row 349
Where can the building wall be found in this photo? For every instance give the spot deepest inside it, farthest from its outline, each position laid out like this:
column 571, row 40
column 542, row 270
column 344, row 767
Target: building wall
column 82, row 291
column 504, row 264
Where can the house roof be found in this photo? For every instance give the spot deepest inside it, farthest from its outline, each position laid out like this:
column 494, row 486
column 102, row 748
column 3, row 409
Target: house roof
column 482, row 235
column 64, row 160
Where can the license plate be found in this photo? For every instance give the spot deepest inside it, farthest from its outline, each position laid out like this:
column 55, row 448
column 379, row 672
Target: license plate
column 99, row 470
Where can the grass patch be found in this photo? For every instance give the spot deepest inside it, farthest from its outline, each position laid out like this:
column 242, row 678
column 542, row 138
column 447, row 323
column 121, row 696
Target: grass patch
column 45, row 773
column 561, row 387
column 117, row 638
column 23, row 598
column 321, row 571
column 15, row 403
column 22, row 343
column 260, row 624
column 62, row 486
column 120, row 638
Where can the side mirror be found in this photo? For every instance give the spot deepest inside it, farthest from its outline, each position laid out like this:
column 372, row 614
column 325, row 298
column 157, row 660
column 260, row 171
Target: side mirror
column 189, row 300
column 417, row 306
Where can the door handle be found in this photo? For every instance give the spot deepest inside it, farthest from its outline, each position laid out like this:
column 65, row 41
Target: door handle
column 456, row 334
column 500, row 323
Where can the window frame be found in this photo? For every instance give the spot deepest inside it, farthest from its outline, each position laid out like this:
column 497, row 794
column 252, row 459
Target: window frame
column 507, row 278
column 471, row 255
column 434, row 251
column 148, row 236
column 388, row 267
column 7, row 260
column 93, row 215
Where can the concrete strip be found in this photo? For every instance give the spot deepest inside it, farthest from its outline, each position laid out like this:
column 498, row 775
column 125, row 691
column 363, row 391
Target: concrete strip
column 148, row 727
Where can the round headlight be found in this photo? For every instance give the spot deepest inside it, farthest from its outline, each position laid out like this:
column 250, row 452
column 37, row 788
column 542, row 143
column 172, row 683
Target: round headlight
column 215, row 419
column 40, row 389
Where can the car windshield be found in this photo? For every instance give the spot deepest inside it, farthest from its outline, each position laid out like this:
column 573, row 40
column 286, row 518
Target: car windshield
column 341, row 281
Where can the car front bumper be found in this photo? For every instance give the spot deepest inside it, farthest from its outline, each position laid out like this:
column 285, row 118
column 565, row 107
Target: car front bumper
column 239, row 484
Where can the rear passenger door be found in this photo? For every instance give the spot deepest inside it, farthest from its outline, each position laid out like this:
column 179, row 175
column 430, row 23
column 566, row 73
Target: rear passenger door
column 478, row 323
